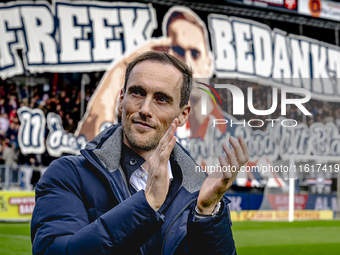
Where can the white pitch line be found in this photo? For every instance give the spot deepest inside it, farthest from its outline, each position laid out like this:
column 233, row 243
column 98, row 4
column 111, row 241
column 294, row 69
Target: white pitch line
column 16, row 236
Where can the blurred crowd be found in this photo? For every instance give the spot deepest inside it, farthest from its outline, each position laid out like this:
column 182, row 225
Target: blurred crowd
column 60, row 95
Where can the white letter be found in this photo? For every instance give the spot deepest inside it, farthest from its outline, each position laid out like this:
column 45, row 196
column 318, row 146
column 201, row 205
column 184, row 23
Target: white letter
column 39, row 26
column 106, row 47
column 238, row 97
column 220, row 121
column 318, row 204
column 334, row 65
column 262, row 123
column 334, row 204
column 295, row 123
column 263, row 54
column 197, row 168
column 238, row 123
column 300, row 63
column 134, row 27
column 320, row 75
column 261, row 112
column 9, row 19
column 281, row 70
column 222, row 44
column 245, row 59
column 73, row 46
column 297, row 101
column 272, row 120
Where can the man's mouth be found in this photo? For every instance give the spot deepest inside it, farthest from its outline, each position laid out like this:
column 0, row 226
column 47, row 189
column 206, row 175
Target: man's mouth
column 142, row 125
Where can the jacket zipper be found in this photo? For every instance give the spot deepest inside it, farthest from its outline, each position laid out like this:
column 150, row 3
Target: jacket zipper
column 173, row 221
column 116, row 192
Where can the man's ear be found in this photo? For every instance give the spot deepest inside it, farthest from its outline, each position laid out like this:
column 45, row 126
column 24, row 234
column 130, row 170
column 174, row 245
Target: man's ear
column 120, row 105
column 183, row 117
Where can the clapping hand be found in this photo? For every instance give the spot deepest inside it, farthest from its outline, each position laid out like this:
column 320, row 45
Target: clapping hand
column 219, row 182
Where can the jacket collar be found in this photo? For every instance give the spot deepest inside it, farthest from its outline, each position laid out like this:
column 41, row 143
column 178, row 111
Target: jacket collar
column 109, row 153
column 108, row 148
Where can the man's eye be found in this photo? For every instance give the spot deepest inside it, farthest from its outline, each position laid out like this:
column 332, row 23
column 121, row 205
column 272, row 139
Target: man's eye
column 136, row 92
column 162, row 99
column 195, row 54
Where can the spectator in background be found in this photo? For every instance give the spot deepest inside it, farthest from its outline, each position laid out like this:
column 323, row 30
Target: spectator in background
column 4, row 123
column 62, row 98
column 2, row 106
column 10, row 157
column 24, row 92
column 12, row 133
column 12, row 116
column 24, row 102
column 2, row 91
column 46, row 95
column 42, row 106
column 2, row 147
column 12, row 103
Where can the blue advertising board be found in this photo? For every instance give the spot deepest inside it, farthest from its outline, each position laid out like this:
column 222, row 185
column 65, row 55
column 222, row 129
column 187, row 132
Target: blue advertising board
column 241, row 202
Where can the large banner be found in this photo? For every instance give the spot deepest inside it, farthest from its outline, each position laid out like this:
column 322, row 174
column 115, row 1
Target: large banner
column 83, row 36
column 90, row 36
column 70, row 36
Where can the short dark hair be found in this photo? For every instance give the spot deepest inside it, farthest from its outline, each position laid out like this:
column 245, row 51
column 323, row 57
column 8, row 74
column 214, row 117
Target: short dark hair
column 182, row 15
column 165, row 58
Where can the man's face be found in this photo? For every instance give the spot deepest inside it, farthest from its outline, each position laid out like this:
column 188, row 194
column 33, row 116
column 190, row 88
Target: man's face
column 150, row 104
column 189, row 44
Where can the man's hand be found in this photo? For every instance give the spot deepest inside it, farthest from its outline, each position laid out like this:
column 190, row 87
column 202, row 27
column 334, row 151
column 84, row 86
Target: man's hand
column 157, row 185
column 217, row 183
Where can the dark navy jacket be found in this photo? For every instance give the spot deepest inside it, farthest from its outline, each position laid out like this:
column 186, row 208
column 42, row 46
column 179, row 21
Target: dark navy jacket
column 83, row 206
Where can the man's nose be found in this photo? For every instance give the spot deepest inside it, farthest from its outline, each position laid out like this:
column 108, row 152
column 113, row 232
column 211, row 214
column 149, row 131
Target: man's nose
column 146, row 107
column 188, row 57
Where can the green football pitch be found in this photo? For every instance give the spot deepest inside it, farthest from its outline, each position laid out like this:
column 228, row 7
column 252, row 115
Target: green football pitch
column 303, row 237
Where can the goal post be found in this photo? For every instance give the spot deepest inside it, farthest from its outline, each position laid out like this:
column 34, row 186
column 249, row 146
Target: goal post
column 318, row 160
column 291, row 191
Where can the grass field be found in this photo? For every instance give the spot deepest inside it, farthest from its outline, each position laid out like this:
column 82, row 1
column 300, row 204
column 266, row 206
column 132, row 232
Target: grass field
column 304, row 237
column 15, row 239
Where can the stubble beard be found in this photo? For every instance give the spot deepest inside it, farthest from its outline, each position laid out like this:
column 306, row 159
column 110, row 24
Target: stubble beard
column 141, row 141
